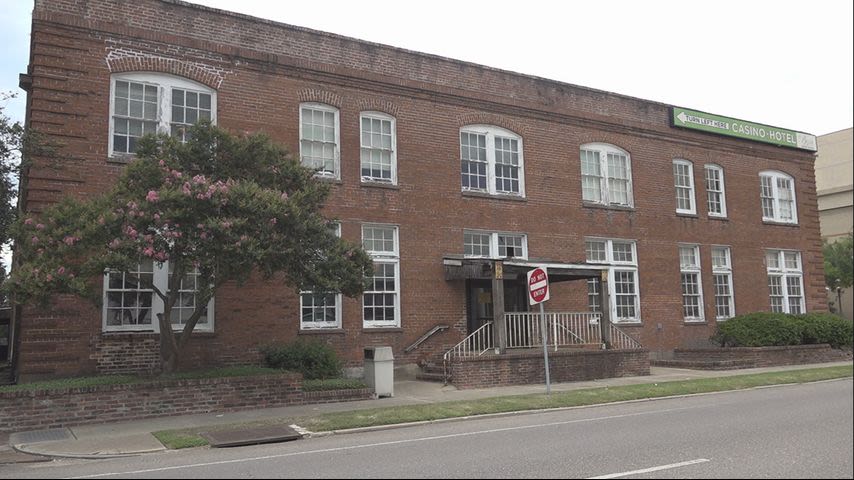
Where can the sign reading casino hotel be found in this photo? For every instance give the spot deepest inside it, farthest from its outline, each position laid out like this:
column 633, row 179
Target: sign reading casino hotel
column 684, row 118
column 538, row 285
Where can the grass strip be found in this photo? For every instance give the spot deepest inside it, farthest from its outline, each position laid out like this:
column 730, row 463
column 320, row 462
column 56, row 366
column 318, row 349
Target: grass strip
column 572, row 398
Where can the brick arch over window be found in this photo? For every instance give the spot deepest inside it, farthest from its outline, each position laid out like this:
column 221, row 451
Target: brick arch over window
column 383, row 106
column 492, row 119
column 320, row 96
column 206, row 76
column 618, row 142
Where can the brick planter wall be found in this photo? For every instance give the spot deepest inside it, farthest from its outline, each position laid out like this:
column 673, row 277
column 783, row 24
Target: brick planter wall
column 751, row 357
column 524, row 368
column 39, row 409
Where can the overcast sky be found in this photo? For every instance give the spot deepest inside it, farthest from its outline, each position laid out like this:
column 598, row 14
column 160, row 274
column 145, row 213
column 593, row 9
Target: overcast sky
column 782, row 63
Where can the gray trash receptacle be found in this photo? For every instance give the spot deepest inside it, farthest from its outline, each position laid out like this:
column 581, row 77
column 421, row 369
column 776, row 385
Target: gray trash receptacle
column 379, row 370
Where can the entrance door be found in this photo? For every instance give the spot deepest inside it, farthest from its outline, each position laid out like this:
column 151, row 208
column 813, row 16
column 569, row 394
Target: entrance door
column 479, row 301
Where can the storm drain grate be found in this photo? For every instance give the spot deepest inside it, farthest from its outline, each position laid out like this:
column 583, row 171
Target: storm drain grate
column 37, row 436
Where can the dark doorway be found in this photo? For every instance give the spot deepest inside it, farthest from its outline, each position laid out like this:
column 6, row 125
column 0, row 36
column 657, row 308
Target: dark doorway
column 479, row 301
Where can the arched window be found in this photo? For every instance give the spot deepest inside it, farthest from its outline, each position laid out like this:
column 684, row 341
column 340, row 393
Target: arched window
column 777, row 191
column 319, row 134
column 606, row 175
column 148, row 102
column 491, row 160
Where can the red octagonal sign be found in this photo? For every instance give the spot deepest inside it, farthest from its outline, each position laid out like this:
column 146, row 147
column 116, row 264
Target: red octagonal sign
column 538, row 285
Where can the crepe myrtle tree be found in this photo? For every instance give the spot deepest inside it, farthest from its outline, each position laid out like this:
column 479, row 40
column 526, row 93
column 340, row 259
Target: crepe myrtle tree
column 219, row 206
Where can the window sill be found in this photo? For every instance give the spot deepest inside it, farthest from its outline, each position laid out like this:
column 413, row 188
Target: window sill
column 322, row 331
column 116, row 333
column 372, row 184
column 602, row 206
column 694, row 322
column 332, row 180
column 780, row 224
column 627, row 324
column 494, row 196
column 382, row 330
column 719, row 219
column 687, row 215
column 121, row 159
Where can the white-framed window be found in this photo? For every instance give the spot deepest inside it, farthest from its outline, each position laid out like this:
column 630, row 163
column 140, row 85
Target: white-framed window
column 381, row 299
column 785, row 281
column 722, row 281
column 491, row 160
column 623, row 290
column 319, row 310
column 319, row 134
column 594, row 285
column 378, row 148
column 715, row 191
column 483, row 244
column 143, row 103
column 683, row 178
column 129, row 304
column 606, row 175
column 692, row 283
column 777, row 192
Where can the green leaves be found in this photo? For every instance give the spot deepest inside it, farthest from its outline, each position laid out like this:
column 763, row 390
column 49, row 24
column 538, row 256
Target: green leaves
column 839, row 262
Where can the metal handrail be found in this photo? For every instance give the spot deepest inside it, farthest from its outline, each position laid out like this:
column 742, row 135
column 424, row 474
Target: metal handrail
column 621, row 340
column 567, row 328
column 476, row 344
column 436, row 329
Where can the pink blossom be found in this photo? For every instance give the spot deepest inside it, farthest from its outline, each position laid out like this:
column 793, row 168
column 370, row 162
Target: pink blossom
column 115, row 244
column 161, row 256
column 152, row 196
column 186, row 188
column 132, row 205
column 49, row 277
column 148, row 251
column 28, row 221
column 273, row 221
column 226, row 224
column 284, row 195
column 156, row 217
column 70, row 240
column 162, row 163
column 131, row 232
column 176, row 174
column 35, row 240
column 204, row 236
column 40, row 226
column 60, row 270
column 199, row 179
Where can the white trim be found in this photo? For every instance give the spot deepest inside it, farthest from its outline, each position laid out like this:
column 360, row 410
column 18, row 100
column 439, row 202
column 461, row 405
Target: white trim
column 723, row 270
column 336, row 152
column 164, row 83
column 161, row 280
column 491, row 131
column 776, row 198
column 390, row 258
column 692, row 210
column 339, row 299
column 613, row 266
column 709, row 167
column 692, row 269
column 386, row 118
column 784, row 273
column 604, row 190
column 493, row 243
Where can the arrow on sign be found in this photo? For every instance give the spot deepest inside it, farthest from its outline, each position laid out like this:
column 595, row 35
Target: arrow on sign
column 682, row 117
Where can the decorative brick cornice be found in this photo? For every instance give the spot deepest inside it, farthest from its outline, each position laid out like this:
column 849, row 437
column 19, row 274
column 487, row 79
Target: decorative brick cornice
column 123, row 59
column 485, row 118
column 320, row 96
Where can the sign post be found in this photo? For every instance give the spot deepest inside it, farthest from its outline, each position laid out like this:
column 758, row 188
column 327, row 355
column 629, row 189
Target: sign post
column 538, row 292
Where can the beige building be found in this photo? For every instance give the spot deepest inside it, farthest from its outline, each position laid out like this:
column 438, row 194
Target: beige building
column 834, row 179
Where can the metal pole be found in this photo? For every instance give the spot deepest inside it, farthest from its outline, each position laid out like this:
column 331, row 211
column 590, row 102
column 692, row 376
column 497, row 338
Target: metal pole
column 545, row 348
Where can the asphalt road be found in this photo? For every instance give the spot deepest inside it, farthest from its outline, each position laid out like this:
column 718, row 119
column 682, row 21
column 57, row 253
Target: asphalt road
column 792, row 431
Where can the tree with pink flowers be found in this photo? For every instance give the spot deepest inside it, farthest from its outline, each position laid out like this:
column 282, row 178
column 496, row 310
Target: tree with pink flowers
column 220, row 207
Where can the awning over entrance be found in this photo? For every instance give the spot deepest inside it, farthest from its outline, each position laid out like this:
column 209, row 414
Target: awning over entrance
column 458, row 268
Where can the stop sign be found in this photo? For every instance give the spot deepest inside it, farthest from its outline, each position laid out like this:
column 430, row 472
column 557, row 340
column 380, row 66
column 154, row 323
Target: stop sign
column 538, row 285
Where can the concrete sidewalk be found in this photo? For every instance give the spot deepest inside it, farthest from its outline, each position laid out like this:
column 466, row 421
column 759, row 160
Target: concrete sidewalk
column 134, row 438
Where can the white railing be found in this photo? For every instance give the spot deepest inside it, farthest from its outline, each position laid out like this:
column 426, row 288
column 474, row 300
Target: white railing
column 478, row 343
column 621, row 340
column 565, row 328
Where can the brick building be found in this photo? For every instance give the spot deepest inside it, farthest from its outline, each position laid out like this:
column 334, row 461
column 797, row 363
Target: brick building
column 443, row 168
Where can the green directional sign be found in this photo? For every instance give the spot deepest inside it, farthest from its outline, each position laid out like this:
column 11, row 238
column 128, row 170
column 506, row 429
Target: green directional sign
column 732, row 127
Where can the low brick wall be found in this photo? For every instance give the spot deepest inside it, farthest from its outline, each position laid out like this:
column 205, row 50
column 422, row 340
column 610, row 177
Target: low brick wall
column 525, row 368
column 752, row 357
column 41, row 409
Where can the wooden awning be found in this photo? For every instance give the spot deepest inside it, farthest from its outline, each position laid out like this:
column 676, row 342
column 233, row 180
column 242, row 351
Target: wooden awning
column 458, row 268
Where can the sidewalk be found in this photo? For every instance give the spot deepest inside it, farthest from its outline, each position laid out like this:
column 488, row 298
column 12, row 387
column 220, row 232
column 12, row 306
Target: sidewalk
column 134, row 438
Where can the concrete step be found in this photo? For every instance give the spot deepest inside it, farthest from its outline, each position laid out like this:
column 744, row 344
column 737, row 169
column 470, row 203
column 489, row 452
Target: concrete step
column 430, row 377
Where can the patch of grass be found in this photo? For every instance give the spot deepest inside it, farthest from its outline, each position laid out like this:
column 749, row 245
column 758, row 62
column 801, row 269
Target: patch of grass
column 224, row 372
column 574, row 398
column 333, row 384
column 175, row 439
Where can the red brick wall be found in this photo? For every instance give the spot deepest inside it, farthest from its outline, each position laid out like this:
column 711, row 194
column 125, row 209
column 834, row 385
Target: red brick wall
column 525, row 368
column 263, row 70
column 37, row 409
column 749, row 357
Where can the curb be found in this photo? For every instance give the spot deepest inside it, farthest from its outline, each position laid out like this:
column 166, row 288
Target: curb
column 24, row 448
